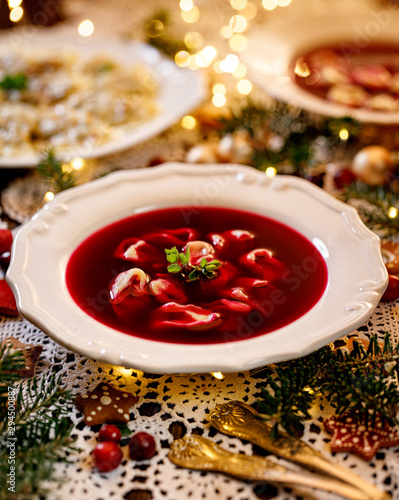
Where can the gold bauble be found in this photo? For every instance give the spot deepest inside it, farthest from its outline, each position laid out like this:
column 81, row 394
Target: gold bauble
column 373, row 165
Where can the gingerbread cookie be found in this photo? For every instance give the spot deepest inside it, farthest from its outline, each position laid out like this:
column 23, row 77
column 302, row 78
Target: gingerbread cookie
column 390, row 254
column 106, row 404
column 31, row 353
column 352, row 434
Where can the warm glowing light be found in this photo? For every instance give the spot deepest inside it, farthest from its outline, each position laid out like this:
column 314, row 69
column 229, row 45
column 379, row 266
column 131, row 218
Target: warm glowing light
column 250, row 11
column 218, row 375
column 193, row 40
column 238, row 43
column 392, row 212
column 283, row 3
column 343, row 134
column 226, row 32
column 192, row 62
column 209, row 52
column 240, row 71
column 238, row 24
column 271, row 171
column 269, row 4
column 121, row 371
column 244, row 87
column 216, row 68
column 229, row 64
column 186, row 5
column 14, row 3
column 206, row 56
column 188, row 122
column 301, row 67
column 219, row 88
column 49, row 196
column 191, row 16
column 309, row 390
column 182, row 58
column 77, row 163
column 86, row 28
column 16, row 14
column 238, row 4
column 219, row 100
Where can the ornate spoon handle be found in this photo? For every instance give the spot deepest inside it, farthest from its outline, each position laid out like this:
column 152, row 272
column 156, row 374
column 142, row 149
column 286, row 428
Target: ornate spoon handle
column 197, row 452
column 240, row 420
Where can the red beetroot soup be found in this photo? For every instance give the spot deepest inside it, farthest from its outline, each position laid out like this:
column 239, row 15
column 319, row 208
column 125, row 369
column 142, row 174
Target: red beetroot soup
column 268, row 276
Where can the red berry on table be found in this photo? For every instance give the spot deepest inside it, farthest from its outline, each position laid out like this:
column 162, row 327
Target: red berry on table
column 392, row 291
column 5, row 240
column 107, row 456
column 141, row 446
column 109, row 432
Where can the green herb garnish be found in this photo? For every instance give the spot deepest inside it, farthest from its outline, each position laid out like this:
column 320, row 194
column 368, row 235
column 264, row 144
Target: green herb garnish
column 19, row 81
column 180, row 263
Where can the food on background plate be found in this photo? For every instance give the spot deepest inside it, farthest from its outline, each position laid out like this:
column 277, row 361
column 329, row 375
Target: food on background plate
column 63, row 100
column 362, row 78
column 196, row 275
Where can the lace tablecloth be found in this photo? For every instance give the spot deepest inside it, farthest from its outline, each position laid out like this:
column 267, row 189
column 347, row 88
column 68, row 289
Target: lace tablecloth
column 169, row 406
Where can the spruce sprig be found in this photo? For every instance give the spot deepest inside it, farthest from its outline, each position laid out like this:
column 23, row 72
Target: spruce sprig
column 290, row 390
column 362, row 381
column 375, row 213
column 37, row 424
column 55, row 172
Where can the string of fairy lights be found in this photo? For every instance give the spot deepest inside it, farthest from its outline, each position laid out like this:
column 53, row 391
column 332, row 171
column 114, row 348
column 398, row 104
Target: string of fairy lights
column 199, row 54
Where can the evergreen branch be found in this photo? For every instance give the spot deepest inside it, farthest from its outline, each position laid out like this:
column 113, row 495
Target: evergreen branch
column 362, row 381
column 290, row 391
column 380, row 200
column 55, row 172
column 40, row 432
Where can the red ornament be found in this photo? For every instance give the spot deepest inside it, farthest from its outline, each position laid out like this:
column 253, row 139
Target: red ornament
column 109, row 432
column 5, row 240
column 344, row 177
column 141, row 446
column 107, row 456
column 392, row 291
column 352, row 434
column 7, row 300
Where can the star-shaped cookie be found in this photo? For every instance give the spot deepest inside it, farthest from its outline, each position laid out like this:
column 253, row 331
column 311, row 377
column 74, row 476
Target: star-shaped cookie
column 352, row 434
column 105, row 404
column 31, row 353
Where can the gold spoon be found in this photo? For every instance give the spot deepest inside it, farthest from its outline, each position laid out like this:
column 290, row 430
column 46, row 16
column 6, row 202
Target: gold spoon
column 197, row 452
column 240, row 420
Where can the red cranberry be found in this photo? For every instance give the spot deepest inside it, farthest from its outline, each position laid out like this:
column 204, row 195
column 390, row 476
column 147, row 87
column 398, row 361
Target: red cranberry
column 107, row 456
column 344, row 177
column 392, row 291
column 141, row 446
column 109, row 432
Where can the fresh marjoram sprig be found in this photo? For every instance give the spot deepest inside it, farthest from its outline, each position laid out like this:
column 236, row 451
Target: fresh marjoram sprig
column 180, row 263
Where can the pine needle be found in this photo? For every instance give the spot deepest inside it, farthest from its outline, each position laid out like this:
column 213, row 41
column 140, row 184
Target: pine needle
column 55, row 172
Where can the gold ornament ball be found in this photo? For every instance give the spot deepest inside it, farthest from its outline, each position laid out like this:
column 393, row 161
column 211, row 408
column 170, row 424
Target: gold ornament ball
column 373, row 165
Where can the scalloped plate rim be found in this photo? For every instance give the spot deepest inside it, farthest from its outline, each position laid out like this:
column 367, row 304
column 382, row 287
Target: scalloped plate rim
column 121, row 349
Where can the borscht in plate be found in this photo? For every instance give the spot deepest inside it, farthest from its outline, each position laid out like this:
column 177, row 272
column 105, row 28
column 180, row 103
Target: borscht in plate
column 196, row 275
column 366, row 77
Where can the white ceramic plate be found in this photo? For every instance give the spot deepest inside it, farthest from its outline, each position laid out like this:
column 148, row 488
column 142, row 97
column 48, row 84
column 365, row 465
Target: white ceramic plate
column 180, row 90
column 271, row 50
column 357, row 275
